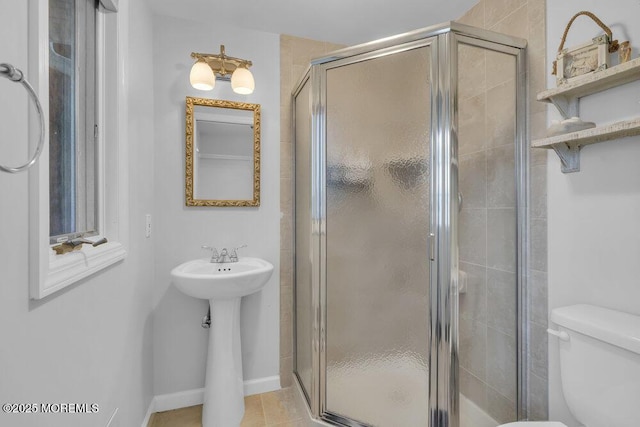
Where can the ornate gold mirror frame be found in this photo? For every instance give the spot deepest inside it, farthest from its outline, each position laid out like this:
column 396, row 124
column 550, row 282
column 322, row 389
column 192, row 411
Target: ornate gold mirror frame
column 191, row 102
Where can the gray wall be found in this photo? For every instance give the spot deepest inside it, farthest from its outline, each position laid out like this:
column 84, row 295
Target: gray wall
column 90, row 343
column 180, row 344
column 594, row 232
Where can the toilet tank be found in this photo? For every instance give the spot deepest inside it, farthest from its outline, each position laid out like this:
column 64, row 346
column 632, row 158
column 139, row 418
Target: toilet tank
column 600, row 365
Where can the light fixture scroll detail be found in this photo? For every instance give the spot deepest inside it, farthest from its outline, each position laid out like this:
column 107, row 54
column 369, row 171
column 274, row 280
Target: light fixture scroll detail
column 211, row 67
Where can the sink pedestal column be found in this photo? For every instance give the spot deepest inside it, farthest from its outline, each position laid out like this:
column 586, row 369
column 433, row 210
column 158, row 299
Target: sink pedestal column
column 224, row 386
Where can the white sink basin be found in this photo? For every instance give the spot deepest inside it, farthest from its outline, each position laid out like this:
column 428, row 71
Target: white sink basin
column 200, row 278
column 224, row 285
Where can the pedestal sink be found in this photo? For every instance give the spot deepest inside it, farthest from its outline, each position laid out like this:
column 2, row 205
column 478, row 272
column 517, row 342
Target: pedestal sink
column 223, row 284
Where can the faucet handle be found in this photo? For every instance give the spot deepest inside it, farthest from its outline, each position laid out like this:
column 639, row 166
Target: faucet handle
column 234, row 253
column 214, row 251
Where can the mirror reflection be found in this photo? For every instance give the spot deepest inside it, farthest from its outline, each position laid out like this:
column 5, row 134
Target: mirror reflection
column 222, row 153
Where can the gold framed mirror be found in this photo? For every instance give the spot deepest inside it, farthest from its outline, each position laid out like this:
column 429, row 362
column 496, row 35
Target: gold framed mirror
column 222, row 153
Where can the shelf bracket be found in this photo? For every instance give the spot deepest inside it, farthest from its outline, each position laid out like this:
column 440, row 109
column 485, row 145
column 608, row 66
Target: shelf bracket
column 569, row 157
column 568, row 107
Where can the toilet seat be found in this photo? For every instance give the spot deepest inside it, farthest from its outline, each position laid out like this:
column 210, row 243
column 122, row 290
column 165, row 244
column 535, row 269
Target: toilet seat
column 534, row 424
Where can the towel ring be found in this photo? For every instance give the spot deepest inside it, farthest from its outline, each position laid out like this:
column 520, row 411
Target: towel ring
column 15, row 75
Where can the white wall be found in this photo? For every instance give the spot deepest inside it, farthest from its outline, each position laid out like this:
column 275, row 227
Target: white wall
column 594, row 215
column 180, row 344
column 90, row 343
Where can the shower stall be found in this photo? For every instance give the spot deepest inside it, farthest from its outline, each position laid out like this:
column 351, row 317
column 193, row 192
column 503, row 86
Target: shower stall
column 411, row 231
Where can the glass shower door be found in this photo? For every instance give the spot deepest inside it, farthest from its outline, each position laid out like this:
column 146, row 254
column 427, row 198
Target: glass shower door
column 376, row 293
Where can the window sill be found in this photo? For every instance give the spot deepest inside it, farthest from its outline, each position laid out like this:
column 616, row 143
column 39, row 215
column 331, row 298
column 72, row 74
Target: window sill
column 73, row 266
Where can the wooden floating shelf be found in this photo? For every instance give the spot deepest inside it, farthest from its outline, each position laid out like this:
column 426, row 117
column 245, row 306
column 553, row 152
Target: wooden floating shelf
column 581, row 138
column 566, row 98
column 595, row 82
column 567, row 146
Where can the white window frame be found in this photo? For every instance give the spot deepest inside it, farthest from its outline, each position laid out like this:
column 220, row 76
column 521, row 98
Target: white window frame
column 48, row 272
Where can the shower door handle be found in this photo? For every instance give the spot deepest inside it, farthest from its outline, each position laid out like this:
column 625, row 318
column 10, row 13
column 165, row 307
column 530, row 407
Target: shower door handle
column 432, row 246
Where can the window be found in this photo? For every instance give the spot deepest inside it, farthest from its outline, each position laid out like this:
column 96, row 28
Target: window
column 72, row 119
column 82, row 189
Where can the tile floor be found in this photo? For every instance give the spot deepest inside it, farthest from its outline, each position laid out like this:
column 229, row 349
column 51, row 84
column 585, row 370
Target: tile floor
column 273, row 409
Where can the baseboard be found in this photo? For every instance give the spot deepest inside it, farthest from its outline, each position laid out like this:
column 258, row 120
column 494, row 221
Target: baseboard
column 183, row 399
column 150, row 410
column 262, row 385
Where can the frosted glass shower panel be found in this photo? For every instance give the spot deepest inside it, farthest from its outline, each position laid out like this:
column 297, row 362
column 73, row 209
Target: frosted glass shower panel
column 488, row 347
column 303, row 303
column 377, row 283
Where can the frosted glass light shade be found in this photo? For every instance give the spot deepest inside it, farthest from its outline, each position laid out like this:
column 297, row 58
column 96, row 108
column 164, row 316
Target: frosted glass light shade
column 242, row 81
column 202, row 77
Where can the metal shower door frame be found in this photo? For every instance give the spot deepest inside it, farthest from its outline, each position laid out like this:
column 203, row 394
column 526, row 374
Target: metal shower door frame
column 443, row 41
column 444, row 404
column 310, row 395
column 319, row 70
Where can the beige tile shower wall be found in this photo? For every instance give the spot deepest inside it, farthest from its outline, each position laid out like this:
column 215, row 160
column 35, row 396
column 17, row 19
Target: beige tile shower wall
column 295, row 56
column 526, row 19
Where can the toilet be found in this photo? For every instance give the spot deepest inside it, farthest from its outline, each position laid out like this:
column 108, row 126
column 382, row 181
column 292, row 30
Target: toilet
column 599, row 366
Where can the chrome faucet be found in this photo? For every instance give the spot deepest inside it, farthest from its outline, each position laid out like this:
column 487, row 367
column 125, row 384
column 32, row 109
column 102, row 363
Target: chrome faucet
column 224, row 255
column 234, row 253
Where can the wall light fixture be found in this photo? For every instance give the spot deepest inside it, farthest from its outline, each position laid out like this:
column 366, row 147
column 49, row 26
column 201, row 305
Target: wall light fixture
column 209, row 67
